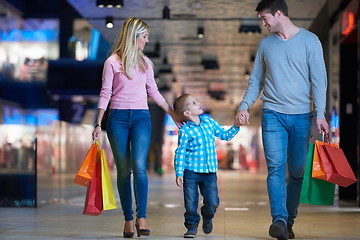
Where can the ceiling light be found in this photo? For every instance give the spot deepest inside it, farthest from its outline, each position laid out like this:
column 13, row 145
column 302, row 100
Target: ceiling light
column 110, row 3
column 247, row 74
column 200, row 32
column 109, row 22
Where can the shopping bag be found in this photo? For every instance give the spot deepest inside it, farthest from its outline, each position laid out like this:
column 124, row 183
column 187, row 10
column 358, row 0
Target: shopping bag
column 86, row 171
column 315, row 191
column 317, row 168
column 108, row 196
column 93, row 201
column 341, row 173
column 321, row 164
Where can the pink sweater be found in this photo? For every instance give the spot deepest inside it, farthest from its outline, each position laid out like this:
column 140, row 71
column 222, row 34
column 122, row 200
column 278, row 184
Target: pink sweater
column 126, row 93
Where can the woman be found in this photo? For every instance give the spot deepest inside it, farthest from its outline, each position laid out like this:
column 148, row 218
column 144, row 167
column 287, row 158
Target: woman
column 128, row 78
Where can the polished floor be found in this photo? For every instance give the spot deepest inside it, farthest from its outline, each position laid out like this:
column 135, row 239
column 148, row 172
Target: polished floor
column 243, row 214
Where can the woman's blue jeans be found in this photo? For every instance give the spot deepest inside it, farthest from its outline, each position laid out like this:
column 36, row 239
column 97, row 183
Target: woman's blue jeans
column 129, row 132
column 207, row 184
column 286, row 140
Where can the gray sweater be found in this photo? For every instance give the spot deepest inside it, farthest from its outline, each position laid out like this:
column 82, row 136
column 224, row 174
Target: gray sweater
column 291, row 74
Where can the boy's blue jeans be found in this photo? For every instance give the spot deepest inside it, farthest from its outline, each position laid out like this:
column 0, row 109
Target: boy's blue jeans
column 129, row 132
column 207, row 183
column 286, row 140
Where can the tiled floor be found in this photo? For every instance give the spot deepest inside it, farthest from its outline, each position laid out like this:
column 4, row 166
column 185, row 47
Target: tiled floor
column 243, row 214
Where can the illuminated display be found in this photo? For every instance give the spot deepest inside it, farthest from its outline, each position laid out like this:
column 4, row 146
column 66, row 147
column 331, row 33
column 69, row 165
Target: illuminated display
column 33, row 36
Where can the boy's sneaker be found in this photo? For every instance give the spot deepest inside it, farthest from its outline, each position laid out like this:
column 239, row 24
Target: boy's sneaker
column 190, row 233
column 207, row 226
column 291, row 232
column 279, row 230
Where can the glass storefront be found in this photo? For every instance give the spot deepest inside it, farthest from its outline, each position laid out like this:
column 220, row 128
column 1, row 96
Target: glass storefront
column 39, row 156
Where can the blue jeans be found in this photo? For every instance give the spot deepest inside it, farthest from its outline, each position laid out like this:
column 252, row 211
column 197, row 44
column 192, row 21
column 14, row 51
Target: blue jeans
column 286, row 140
column 207, row 183
column 129, row 133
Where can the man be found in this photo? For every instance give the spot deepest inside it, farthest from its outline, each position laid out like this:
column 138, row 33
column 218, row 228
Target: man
column 289, row 68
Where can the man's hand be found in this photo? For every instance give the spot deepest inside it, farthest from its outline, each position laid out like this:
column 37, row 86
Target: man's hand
column 242, row 117
column 238, row 123
column 322, row 125
column 180, row 181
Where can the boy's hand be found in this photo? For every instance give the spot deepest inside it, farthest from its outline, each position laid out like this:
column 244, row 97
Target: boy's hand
column 180, row 181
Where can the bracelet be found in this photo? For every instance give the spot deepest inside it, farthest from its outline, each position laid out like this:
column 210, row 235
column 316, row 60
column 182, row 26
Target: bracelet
column 97, row 125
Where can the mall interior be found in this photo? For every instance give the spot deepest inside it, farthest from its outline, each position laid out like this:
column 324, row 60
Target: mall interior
column 51, row 60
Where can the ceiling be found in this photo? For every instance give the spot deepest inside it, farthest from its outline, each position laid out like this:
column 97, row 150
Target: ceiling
column 183, row 52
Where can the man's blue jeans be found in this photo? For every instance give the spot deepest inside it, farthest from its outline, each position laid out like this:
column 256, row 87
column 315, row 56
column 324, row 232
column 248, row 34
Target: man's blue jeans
column 129, row 132
column 207, row 183
column 286, row 140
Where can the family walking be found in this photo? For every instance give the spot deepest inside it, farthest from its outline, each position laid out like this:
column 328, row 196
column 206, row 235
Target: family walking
column 290, row 73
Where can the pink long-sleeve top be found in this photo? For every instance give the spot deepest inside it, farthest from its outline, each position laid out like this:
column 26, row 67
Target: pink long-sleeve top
column 125, row 93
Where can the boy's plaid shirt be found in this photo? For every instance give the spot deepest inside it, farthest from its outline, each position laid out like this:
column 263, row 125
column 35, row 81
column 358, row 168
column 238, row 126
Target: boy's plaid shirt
column 196, row 145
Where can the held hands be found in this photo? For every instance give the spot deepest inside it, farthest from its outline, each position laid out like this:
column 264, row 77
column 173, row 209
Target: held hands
column 242, row 117
column 238, row 122
column 180, row 181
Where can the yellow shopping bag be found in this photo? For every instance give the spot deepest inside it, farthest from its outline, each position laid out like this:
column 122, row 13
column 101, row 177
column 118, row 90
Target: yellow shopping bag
column 108, row 196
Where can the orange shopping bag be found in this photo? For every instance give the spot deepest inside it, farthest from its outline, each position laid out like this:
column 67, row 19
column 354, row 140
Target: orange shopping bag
column 86, row 171
column 321, row 165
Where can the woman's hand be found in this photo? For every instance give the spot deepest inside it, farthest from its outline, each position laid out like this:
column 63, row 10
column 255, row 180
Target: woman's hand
column 177, row 119
column 179, row 122
column 96, row 132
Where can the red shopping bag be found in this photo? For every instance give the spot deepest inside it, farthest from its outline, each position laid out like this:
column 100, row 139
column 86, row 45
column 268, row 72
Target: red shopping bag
column 86, row 171
column 342, row 173
column 93, row 201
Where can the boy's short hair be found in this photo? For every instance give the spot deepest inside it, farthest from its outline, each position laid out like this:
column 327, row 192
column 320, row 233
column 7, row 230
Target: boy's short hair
column 180, row 104
column 271, row 6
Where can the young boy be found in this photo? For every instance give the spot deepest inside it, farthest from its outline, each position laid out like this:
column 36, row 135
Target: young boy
column 196, row 162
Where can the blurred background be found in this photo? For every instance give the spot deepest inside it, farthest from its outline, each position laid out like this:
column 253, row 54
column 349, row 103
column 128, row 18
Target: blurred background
column 51, row 59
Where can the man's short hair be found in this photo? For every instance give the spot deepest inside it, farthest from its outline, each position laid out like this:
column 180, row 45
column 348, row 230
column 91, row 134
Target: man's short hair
column 271, row 6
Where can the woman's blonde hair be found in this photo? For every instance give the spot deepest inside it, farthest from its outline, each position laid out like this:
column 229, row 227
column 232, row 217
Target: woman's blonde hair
column 127, row 46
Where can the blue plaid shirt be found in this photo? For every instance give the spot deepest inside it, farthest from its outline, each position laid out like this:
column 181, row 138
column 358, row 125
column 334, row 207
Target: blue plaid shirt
column 196, row 145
